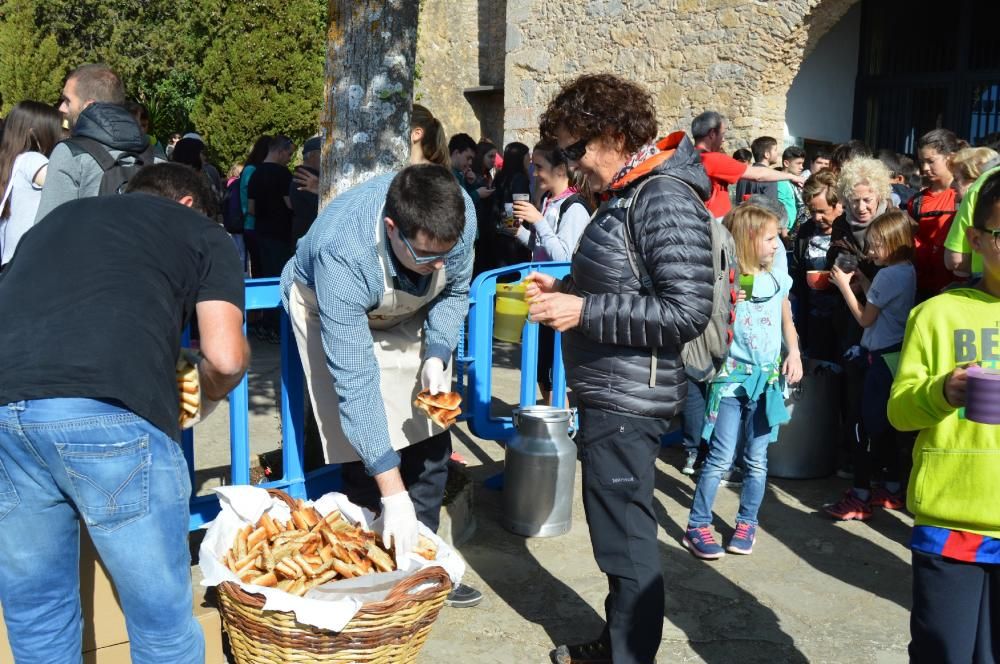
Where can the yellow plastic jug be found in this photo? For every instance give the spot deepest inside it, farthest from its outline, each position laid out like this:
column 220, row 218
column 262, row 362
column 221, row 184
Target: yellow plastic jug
column 511, row 312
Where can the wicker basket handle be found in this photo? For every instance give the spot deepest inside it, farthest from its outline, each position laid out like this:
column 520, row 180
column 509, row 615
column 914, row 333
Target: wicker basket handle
column 435, row 575
column 282, row 496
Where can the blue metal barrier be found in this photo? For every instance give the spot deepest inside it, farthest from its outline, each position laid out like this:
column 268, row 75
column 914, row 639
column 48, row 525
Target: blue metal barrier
column 477, row 359
column 264, row 294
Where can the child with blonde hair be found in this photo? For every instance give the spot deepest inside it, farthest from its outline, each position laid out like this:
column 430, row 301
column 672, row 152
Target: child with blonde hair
column 746, row 397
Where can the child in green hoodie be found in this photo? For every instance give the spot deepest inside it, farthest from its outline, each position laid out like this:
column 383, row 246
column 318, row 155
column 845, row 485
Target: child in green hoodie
column 954, row 489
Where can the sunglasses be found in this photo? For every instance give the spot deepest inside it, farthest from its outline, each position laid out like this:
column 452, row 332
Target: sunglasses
column 761, row 300
column 419, row 260
column 575, row 151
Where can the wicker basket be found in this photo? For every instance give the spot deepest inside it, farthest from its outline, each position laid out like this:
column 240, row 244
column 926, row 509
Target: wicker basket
column 393, row 630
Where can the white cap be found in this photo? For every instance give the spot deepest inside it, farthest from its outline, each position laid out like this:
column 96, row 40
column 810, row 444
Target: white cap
column 193, row 135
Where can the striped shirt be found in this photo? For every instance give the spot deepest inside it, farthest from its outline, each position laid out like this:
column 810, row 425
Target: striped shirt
column 339, row 259
column 956, row 544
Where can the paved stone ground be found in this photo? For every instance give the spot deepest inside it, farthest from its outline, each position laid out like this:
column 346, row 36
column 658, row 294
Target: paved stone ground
column 813, row 590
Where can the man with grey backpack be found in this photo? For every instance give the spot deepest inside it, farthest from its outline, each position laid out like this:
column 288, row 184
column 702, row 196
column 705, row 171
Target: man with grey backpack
column 106, row 145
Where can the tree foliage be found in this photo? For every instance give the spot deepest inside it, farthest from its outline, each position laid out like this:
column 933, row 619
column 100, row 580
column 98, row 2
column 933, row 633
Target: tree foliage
column 261, row 71
column 229, row 69
column 30, row 63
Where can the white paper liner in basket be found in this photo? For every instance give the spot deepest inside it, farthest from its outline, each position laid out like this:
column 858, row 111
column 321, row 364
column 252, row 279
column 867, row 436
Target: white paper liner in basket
column 332, row 605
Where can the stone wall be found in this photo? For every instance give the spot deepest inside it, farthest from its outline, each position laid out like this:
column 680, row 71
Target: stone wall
column 460, row 46
column 735, row 56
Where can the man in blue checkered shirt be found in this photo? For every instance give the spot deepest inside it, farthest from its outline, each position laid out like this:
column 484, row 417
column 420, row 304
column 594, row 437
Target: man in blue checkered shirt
column 377, row 293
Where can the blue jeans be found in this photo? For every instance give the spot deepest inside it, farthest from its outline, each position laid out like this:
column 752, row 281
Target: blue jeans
column 694, row 415
column 738, row 419
column 62, row 460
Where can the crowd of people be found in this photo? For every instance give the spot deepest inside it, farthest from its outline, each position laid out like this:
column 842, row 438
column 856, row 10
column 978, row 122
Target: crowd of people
column 701, row 286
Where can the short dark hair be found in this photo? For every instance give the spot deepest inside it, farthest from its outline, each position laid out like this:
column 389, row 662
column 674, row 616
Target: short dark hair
column 98, row 82
column 461, row 143
column 821, row 153
column 989, row 197
column 426, row 198
column 761, row 146
column 602, row 106
column 705, row 124
column 793, row 152
column 279, row 142
column 845, row 152
column 743, row 155
column 188, row 151
column 174, row 181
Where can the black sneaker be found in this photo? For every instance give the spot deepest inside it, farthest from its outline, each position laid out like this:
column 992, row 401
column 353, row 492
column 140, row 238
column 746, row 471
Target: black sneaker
column 595, row 652
column 733, row 478
column 463, row 597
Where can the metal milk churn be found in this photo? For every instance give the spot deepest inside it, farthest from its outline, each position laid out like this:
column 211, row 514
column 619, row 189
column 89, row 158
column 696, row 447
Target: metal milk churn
column 539, row 472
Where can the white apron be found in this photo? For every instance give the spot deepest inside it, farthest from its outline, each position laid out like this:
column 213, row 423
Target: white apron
column 397, row 332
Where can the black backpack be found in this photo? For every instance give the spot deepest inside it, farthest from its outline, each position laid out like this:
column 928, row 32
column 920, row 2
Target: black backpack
column 232, row 208
column 117, row 171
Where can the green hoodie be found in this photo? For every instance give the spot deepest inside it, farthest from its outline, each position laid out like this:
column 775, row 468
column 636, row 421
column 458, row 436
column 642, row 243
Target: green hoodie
column 955, row 481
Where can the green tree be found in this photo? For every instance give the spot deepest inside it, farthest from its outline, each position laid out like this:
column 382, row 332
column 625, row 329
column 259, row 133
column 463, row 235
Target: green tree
column 261, row 71
column 148, row 42
column 30, row 63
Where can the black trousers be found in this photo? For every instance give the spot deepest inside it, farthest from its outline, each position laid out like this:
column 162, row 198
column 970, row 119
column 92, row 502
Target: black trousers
column 424, row 467
column 956, row 611
column 618, row 455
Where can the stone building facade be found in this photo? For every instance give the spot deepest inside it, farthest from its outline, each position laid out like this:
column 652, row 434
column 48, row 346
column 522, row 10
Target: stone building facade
column 735, row 56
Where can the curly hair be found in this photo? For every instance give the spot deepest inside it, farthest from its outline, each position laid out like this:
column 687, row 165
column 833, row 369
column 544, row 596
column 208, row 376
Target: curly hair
column 602, row 105
column 865, row 171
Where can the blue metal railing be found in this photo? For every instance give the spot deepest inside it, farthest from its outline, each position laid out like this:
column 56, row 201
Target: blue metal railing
column 264, row 294
column 477, row 360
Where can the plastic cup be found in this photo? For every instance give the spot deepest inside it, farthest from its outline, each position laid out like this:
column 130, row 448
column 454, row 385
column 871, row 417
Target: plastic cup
column 982, row 400
column 746, row 284
column 511, row 312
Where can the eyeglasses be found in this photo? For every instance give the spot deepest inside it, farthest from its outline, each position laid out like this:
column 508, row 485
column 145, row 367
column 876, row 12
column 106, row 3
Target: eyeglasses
column 419, row 260
column 995, row 232
column 777, row 289
column 575, row 151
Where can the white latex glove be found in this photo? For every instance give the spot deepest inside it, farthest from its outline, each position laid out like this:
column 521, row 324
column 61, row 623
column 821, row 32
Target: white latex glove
column 399, row 524
column 432, row 376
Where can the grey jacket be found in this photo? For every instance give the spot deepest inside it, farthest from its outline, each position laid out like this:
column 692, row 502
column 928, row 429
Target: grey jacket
column 625, row 354
column 71, row 176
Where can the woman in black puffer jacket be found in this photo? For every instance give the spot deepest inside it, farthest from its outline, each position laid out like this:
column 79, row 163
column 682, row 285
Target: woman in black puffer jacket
column 622, row 341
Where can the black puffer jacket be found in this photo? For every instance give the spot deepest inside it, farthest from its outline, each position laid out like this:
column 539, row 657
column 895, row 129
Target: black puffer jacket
column 610, row 356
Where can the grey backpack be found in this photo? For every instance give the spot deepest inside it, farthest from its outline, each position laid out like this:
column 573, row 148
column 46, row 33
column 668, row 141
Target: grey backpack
column 704, row 355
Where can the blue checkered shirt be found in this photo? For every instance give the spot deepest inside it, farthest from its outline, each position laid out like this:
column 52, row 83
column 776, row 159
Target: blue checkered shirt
column 339, row 259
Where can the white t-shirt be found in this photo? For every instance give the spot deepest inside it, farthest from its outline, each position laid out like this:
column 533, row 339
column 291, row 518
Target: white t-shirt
column 24, row 198
column 892, row 291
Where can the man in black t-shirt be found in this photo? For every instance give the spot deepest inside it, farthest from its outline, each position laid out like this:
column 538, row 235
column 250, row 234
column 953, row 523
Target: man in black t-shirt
column 93, row 304
column 268, row 202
